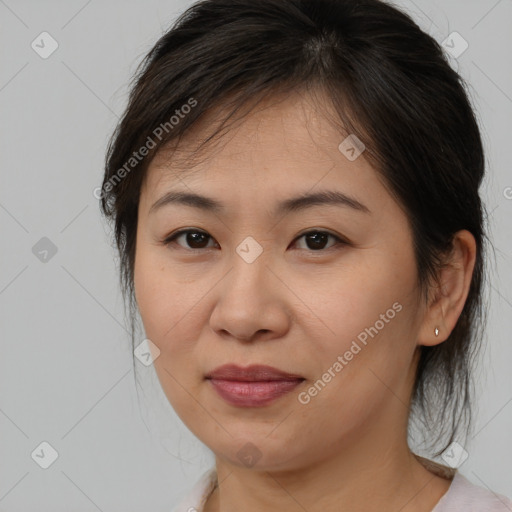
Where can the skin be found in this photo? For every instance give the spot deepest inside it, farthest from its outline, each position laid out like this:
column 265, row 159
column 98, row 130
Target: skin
column 294, row 308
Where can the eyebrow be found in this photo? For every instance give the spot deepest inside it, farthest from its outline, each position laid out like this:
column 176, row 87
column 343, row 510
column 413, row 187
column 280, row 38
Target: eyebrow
column 294, row 204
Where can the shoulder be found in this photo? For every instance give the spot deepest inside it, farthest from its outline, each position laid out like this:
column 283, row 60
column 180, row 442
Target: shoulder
column 464, row 496
column 194, row 499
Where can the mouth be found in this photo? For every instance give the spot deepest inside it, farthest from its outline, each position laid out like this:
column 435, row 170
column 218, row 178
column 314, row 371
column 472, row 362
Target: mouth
column 252, row 386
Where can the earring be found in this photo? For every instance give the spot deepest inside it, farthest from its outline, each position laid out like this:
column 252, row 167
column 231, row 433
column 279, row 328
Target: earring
column 436, row 331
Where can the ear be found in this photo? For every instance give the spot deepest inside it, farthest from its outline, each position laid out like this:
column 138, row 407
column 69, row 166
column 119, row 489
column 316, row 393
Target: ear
column 448, row 297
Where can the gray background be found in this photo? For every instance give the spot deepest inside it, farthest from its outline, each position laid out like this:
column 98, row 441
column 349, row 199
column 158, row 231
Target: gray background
column 66, row 370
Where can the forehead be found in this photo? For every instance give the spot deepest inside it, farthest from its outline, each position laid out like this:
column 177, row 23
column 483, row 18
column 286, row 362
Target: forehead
column 284, row 141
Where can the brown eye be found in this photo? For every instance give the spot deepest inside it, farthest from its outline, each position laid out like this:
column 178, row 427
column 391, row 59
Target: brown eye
column 317, row 240
column 194, row 238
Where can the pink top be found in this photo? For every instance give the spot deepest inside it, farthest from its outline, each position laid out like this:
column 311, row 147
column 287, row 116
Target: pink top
column 462, row 495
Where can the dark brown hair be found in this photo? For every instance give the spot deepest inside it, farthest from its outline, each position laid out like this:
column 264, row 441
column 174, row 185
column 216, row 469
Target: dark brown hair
column 390, row 84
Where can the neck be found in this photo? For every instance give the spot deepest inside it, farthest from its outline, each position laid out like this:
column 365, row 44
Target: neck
column 364, row 476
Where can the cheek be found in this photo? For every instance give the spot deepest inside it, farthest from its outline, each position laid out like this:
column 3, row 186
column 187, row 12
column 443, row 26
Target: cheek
column 366, row 316
column 166, row 304
column 369, row 293
column 170, row 321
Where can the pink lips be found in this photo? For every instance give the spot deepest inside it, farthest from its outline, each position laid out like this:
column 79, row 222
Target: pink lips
column 252, row 386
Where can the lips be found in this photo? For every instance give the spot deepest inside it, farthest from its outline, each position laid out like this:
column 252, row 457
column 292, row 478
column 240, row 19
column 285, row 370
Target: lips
column 252, row 386
column 250, row 373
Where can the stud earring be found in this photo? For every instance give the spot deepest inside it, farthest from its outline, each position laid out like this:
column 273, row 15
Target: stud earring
column 436, row 331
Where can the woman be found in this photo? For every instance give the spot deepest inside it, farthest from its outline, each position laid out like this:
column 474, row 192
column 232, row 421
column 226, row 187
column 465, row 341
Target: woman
column 294, row 187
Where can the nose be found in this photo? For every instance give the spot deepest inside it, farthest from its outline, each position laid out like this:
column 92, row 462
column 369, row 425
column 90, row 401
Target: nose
column 251, row 302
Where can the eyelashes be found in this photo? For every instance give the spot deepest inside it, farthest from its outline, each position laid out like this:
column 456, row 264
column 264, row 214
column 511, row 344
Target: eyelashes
column 171, row 239
column 196, row 238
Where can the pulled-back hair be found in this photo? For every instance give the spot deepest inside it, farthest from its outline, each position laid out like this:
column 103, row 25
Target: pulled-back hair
column 389, row 83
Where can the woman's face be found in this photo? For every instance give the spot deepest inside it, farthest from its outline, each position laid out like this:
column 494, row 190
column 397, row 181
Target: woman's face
column 338, row 308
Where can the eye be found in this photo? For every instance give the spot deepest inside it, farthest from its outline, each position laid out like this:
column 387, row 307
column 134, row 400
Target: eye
column 195, row 238
column 316, row 240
